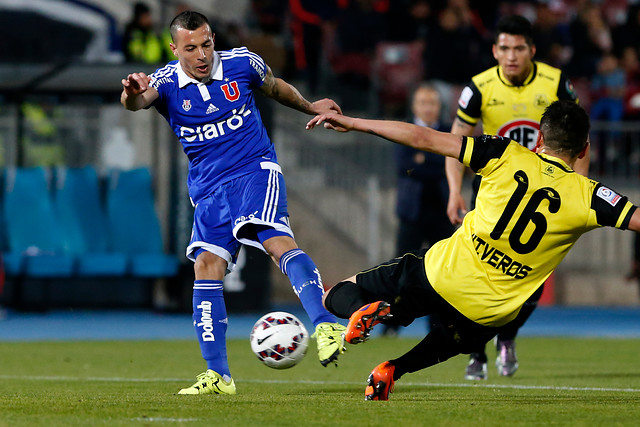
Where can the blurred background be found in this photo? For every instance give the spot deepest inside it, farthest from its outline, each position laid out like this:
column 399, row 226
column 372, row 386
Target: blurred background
column 95, row 211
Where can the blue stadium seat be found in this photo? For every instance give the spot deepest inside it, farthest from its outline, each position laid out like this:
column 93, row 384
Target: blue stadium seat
column 134, row 226
column 34, row 239
column 84, row 224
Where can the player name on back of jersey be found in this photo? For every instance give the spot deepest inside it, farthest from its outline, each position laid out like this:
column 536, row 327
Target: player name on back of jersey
column 499, row 260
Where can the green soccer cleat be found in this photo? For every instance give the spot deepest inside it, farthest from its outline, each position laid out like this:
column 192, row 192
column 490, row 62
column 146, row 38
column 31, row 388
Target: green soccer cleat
column 210, row 382
column 330, row 338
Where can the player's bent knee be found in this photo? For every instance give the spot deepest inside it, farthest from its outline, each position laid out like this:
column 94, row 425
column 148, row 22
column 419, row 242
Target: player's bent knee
column 209, row 266
column 343, row 299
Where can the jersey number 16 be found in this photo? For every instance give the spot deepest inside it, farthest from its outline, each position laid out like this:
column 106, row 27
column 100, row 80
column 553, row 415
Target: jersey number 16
column 529, row 214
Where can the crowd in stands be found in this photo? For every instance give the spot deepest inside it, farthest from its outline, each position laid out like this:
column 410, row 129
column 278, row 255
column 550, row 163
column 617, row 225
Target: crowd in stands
column 337, row 43
column 596, row 43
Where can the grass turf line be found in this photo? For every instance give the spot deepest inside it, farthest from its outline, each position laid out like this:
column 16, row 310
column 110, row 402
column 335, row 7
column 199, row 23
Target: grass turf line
column 561, row 381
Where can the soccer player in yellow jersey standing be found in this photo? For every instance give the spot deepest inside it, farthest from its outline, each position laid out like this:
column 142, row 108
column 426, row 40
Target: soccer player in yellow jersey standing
column 531, row 208
column 509, row 99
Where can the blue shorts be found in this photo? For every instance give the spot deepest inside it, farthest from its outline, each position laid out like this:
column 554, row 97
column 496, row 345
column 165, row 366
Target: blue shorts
column 246, row 210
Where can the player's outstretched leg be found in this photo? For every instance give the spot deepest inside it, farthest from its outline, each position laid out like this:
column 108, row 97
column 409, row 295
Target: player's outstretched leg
column 363, row 320
column 330, row 339
column 307, row 285
column 210, row 321
column 380, row 382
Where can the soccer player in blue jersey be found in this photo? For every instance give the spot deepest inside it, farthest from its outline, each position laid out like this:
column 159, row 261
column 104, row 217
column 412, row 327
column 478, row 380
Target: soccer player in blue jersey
column 235, row 182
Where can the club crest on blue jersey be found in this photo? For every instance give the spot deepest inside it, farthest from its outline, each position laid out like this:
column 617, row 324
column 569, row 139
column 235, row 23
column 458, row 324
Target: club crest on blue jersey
column 186, row 104
column 228, row 94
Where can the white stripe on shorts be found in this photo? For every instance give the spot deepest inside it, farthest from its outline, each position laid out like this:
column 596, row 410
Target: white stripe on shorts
column 272, row 197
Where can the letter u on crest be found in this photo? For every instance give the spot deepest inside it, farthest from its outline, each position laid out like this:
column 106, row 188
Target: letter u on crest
column 231, row 96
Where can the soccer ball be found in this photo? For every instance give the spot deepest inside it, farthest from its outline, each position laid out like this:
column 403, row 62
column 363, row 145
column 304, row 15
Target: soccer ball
column 279, row 339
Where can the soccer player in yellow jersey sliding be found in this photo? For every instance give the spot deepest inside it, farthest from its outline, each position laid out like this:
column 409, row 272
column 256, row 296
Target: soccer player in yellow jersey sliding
column 531, row 208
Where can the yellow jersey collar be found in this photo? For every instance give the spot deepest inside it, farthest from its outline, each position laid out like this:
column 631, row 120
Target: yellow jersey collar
column 555, row 160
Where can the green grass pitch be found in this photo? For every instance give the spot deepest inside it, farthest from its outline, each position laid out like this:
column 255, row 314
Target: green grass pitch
column 570, row 382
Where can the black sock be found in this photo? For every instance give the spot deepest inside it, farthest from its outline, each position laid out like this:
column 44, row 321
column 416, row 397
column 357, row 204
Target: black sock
column 433, row 349
column 480, row 357
column 344, row 299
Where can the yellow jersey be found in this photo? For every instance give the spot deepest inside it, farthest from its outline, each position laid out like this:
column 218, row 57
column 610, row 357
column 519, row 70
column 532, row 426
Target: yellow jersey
column 513, row 111
column 530, row 210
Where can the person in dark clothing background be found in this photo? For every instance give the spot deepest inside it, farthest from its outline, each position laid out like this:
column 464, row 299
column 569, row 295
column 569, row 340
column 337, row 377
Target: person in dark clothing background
column 423, row 191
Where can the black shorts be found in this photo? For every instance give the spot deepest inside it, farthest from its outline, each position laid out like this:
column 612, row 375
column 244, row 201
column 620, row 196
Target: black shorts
column 403, row 283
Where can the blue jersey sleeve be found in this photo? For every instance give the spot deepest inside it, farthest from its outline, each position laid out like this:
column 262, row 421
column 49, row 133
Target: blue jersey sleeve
column 258, row 69
column 162, row 80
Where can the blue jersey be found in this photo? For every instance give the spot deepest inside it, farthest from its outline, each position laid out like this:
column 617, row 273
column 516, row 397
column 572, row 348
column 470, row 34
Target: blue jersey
column 217, row 122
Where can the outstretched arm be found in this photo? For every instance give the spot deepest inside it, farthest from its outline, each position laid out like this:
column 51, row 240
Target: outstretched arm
column 418, row 137
column 288, row 95
column 136, row 92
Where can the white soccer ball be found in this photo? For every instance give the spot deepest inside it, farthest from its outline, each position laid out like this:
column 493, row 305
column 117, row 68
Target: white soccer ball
column 279, row 339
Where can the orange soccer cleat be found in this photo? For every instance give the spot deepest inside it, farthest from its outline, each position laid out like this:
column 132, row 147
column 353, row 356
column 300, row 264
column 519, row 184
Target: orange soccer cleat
column 380, row 382
column 362, row 321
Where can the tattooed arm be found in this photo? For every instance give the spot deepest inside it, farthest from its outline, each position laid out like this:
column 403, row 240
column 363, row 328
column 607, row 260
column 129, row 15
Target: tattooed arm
column 286, row 94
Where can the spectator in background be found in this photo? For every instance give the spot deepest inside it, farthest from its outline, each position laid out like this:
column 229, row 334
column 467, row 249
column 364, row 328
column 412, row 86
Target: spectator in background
column 358, row 27
column 631, row 66
column 410, row 20
column 468, row 16
column 361, row 24
column 140, row 43
column 607, row 92
column 608, row 89
column 551, row 35
column 423, row 191
column 308, row 18
column 590, row 38
column 269, row 15
column 452, row 43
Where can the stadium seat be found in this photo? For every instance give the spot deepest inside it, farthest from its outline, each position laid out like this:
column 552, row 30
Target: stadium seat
column 134, row 226
column 34, row 240
column 83, row 223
